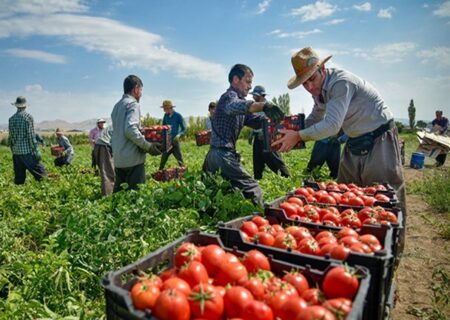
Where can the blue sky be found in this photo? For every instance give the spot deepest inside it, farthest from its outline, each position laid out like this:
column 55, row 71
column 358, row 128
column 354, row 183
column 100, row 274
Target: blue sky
column 69, row 57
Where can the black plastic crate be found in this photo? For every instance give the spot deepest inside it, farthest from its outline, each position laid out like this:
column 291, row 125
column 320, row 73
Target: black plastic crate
column 159, row 134
column 271, row 131
column 380, row 264
column 203, row 137
column 118, row 284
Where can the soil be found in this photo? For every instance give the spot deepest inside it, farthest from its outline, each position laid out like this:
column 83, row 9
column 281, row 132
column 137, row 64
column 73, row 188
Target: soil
column 424, row 250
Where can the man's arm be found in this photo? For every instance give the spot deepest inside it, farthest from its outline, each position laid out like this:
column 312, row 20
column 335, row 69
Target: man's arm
column 132, row 132
column 182, row 132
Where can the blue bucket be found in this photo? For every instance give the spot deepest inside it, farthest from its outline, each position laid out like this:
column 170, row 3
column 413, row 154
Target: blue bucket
column 417, row 160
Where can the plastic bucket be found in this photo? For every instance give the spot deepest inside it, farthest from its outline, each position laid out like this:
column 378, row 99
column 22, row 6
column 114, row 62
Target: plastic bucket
column 417, row 160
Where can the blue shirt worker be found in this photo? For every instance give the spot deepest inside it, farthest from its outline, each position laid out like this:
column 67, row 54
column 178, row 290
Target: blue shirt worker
column 232, row 113
column 440, row 125
column 260, row 158
column 24, row 147
column 178, row 130
column 67, row 156
column 129, row 146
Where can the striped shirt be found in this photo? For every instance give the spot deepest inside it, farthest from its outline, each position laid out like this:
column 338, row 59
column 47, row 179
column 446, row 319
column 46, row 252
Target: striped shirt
column 22, row 138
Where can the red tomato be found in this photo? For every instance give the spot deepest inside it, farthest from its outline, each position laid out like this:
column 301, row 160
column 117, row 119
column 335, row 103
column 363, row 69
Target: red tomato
column 327, row 199
column 347, row 232
column 340, row 282
column 289, row 208
column 335, row 218
column 316, row 312
column 144, row 296
column 356, row 201
column 336, row 195
column 206, row 302
column 366, row 213
column 212, row 257
column 277, row 229
column 302, row 191
column 285, row 241
column 231, row 272
column 309, row 246
column 257, row 310
column 301, row 233
column 348, row 212
column 296, row 200
column 326, row 249
column 312, row 213
column 360, row 247
column 343, row 187
column 371, row 241
column 172, row 305
column 339, row 252
column 333, row 188
column 313, row 296
column 194, row 273
column 178, row 284
column 275, row 301
column 382, row 197
column 256, row 287
column 264, row 238
column 187, row 252
column 324, row 234
column 292, row 307
column 250, row 228
column 254, row 260
column 260, row 221
column 388, row 216
column 370, row 190
column 348, row 195
column 322, row 185
column 236, row 300
column 320, row 193
column 298, row 280
column 369, row 201
column 351, row 221
column 168, row 273
column 326, row 240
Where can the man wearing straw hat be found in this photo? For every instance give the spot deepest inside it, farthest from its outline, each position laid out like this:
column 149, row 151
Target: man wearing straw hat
column 343, row 100
column 24, row 147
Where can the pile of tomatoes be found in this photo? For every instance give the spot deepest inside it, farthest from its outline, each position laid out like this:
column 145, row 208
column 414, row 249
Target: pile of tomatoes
column 169, row 174
column 155, row 133
column 203, row 137
column 289, row 123
column 210, row 283
column 336, row 245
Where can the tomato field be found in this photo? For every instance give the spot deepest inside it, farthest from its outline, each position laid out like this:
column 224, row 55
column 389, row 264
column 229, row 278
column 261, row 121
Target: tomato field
column 59, row 237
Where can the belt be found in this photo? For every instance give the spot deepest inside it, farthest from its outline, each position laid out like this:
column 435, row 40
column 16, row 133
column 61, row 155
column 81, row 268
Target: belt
column 383, row 128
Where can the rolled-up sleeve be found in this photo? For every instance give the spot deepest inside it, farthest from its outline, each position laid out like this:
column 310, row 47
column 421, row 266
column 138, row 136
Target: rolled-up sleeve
column 336, row 108
column 235, row 105
column 132, row 132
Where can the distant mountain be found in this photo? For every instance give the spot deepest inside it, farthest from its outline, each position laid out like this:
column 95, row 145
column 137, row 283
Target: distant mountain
column 50, row 125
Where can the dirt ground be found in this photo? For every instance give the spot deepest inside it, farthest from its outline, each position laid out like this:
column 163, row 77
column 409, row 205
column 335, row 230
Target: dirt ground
column 424, row 250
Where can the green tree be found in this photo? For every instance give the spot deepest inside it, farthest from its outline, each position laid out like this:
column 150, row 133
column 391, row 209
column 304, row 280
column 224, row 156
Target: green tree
column 412, row 114
column 421, row 124
column 400, row 126
column 283, row 102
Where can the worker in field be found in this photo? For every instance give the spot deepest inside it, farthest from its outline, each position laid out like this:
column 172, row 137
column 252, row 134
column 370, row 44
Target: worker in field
column 260, row 158
column 104, row 160
column 129, row 146
column 178, row 130
column 93, row 135
column 343, row 100
column 232, row 113
column 440, row 126
column 211, row 109
column 66, row 157
column 23, row 144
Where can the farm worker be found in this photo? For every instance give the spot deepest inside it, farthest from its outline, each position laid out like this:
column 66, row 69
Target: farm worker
column 260, row 158
column 343, row 100
column 211, row 109
column 178, row 130
column 24, row 147
column 67, row 156
column 440, row 124
column 104, row 160
column 93, row 135
column 128, row 144
column 327, row 150
column 232, row 113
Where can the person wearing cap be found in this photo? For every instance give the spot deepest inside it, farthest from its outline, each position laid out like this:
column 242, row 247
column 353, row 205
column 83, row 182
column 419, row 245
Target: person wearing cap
column 67, row 156
column 178, row 130
column 344, row 100
column 23, row 144
column 129, row 146
column 211, row 109
column 440, row 125
column 232, row 113
column 260, row 158
column 93, row 136
column 104, row 160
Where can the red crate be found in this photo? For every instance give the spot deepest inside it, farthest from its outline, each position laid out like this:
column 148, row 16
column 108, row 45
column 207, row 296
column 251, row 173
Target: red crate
column 56, row 151
column 203, row 137
column 271, row 131
column 159, row 134
column 169, row 174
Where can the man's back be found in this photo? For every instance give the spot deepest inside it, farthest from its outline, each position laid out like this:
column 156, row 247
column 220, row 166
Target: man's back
column 21, row 133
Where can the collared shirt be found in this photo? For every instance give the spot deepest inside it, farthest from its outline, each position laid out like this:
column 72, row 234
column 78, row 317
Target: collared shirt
column 22, row 138
column 176, row 121
column 127, row 142
column 208, row 123
column 443, row 123
column 105, row 137
column 93, row 135
column 346, row 102
column 65, row 143
column 230, row 117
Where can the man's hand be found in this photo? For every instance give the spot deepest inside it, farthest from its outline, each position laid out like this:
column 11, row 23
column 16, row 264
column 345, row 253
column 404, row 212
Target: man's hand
column 289, row 140
column 155, row 149
column 273, row 112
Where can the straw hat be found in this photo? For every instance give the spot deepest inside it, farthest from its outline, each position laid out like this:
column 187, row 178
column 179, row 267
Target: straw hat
column 21, row 102
column 101, row 120
column 167, row 103
column 305, row 63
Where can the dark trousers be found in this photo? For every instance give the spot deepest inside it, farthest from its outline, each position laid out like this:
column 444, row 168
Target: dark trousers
column 440, row 159
column 272, row 159
column 29, row 162
column 61, row 161
column 133, row 176
column 326, row 152
column 228, row 162
column 103, row 158
column 176, row 151
column 93, row 160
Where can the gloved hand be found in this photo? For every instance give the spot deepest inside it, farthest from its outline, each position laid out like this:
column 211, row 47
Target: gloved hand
column 37, row 154
column 154, row 149
column 273, row 112
column 250, row 138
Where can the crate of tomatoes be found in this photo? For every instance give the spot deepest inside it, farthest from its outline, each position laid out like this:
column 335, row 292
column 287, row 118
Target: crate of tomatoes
column 203, row 137
column 197, row 277
column 159, row 134
column 169, row 174
column 299, row 242
column 56, row 150
column 271, row 131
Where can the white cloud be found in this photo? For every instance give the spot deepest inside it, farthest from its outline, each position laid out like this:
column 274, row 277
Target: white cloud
column 335, row 21
column 386, row 13
column 443, row 10
column 36, row 55
column 263, row 6
column 366, row 6
column 439, row 56
column 425, row 5
column 297, row 35
column 38, row 7
column 143, row 49
column 310, row 12
column 388, row 53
